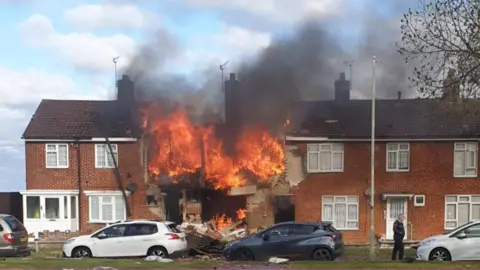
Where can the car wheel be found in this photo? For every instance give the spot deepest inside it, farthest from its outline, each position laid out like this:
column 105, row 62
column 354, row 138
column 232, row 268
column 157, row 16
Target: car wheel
column 322, row 254
column 440, row 254
column 81, row 252
column 158, row 251
column 243, row 255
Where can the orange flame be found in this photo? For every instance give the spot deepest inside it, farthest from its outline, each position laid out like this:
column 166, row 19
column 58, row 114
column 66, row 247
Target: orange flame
column 222, row 221
column 241, row 214
column 179, row 150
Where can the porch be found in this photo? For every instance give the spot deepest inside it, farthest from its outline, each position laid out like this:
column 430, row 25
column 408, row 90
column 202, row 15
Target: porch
column 50, row 210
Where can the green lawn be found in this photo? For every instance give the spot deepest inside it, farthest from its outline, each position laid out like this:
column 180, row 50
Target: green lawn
column 354, row 258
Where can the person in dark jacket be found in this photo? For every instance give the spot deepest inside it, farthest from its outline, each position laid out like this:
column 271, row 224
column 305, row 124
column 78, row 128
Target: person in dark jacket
column 398, row 235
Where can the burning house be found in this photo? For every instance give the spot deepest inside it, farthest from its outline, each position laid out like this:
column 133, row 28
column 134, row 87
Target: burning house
column 91, row 163
column 224, row 170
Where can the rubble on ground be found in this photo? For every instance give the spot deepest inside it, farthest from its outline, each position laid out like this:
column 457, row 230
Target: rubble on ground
column 206, row 240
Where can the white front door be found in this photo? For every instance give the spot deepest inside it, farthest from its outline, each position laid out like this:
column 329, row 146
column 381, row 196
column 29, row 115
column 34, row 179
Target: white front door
column 395, row 207
column 71, row 214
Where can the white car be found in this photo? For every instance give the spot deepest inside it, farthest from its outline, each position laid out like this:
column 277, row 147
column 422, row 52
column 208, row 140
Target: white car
column 459, row 244
column 128, row 239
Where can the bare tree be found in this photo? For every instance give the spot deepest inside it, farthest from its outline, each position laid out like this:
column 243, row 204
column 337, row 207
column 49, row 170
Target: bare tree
column 442, row 38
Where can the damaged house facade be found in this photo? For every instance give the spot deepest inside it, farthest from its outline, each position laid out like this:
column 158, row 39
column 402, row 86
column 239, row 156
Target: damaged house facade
column 92, row 163
column 426, row 164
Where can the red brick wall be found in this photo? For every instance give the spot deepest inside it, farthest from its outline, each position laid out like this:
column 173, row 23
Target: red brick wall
column 129, row 162
column 431, row 174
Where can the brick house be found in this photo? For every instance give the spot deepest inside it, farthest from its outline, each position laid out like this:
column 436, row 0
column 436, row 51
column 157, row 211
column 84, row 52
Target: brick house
column 426, row 164
column 71, row 181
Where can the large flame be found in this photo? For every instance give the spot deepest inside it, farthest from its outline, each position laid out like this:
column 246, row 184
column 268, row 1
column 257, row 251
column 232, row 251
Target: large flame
column 222, row 221
column 179, row 150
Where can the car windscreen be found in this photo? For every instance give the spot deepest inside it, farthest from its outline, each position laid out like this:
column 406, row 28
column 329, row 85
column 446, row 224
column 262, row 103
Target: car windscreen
column 457, row 228
column 14, row 224
column 172, row 227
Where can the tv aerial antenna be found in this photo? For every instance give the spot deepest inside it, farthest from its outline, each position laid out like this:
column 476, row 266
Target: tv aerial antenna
column 222, row 67
column 350, row 66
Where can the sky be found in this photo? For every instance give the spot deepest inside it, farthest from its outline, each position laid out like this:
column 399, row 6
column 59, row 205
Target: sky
column 64, row 49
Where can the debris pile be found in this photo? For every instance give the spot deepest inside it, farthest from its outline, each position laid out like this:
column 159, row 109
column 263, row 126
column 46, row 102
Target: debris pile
column 207, row 239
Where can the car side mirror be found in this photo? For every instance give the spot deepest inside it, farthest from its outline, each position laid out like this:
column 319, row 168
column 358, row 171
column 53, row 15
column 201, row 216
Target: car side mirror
column 266, row 237
column 461, row 235
column 102, row 236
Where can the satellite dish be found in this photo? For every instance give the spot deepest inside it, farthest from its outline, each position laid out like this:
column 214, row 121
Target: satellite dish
column 132, row 187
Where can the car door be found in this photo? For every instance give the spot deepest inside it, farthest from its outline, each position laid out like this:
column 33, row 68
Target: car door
column 468, row 246
column 139, row 237
column 109, row 242
column 273, row 244
column 295, row 244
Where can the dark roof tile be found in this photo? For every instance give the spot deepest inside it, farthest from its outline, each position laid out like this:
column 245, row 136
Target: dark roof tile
column 67, row 119
column 409, row 118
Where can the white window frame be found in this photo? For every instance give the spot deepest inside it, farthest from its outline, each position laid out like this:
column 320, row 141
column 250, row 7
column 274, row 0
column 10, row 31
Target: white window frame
column 335, row 199
column 100, row 212
column 464, row 147
column 58, row 156
column 457, row 201
column 415, row 200
column 107, row 153
column 331, row 151
column 397, row 154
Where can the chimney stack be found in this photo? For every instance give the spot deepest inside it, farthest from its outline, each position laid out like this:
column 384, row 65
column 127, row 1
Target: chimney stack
column 125, row 99
column 232, row 95
column 399, row 95
column 450, row 87
column 342, row 88
column 125, row 90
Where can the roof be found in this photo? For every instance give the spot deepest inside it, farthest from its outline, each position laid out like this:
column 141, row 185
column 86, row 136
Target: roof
column 408, row 118
column 77, row 119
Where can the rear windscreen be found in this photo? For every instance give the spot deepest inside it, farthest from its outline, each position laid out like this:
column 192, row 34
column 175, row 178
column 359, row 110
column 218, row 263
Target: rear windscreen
column 14, row 224
column 173, row 228
column 330, row 228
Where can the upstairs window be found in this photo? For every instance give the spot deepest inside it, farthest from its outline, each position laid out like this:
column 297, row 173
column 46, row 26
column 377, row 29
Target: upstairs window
column 465, row 159
column 103, row 157
column 56, row 155
column 325, row 157
column 398, row 157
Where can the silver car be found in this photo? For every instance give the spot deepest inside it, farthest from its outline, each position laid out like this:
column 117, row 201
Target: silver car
column 459, row 244
column 13, row 237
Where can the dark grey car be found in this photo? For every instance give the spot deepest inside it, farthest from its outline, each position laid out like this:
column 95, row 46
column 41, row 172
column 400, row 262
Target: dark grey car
column 292, row 240
column 13, row 237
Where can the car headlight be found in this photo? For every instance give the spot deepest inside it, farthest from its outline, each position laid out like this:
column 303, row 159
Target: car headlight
column 427, row 242
column 69, row 241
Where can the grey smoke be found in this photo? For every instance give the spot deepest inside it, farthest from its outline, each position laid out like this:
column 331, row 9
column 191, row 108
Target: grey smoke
column 302, row 65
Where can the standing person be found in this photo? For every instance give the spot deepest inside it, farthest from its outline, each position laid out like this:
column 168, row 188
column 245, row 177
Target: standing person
column 398, row 235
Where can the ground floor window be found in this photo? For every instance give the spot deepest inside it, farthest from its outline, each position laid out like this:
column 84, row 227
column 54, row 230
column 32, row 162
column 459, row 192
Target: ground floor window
column 50, row 207
column 460, row 209
column 341, row 210
column 106, row 209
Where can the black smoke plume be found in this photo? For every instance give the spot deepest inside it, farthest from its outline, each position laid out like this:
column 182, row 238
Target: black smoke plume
column 298, row 66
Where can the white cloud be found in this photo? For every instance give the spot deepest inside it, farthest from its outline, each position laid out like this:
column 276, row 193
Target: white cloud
column 31, row 85
column 242, row 40
column 286, row 11
column 84, row 50
column 90, row 16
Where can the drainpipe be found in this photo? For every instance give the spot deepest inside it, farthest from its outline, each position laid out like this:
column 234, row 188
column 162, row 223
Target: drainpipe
column 79, row 183
column 411, row 230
